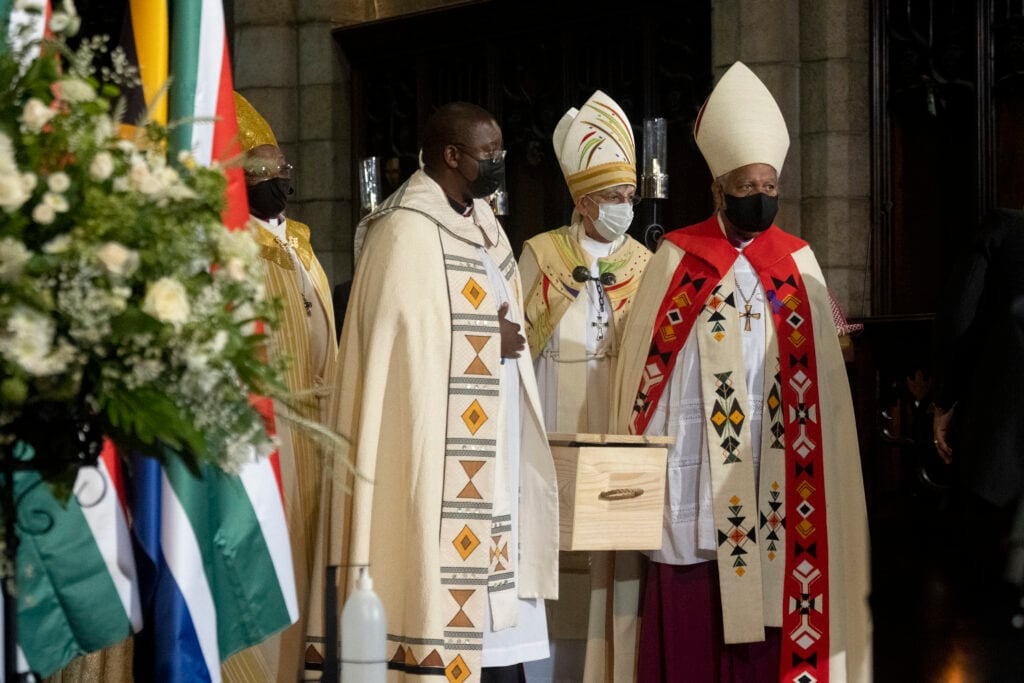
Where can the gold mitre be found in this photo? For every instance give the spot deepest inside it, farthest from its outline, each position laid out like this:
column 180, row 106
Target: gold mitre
column 740, row 123
column 253, row 129
column 595, row 146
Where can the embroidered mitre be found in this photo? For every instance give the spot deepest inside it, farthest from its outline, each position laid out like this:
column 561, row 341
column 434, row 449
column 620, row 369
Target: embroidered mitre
column 595, row 146
column 740, row 123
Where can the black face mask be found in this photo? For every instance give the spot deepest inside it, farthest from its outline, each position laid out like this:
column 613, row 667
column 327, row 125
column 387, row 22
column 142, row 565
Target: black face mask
column 269, row 198
column 490, row 174
column 753, row 213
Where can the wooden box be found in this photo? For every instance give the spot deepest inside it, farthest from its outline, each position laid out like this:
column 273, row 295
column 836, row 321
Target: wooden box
column 611, row 490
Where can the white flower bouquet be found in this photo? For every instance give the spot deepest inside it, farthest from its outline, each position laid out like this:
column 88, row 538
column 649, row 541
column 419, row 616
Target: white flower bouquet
column 126, row 306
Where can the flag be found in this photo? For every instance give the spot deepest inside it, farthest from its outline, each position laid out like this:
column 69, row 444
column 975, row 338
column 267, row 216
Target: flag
column 144, row 39
column 215, row 567
column 202, row 108
column 76, row 571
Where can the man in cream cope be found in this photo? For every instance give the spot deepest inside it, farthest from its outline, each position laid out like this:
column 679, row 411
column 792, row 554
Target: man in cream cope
column 305, row 334
column 731, row 349
column 580, row 282
column 454, row 507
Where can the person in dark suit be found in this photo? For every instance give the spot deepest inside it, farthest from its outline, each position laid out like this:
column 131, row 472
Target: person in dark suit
column 978, row 425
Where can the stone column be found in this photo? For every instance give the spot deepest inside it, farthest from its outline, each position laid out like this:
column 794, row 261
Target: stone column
column 766, row 37
column 836, row 124
column 813, row 56
column 289, row 67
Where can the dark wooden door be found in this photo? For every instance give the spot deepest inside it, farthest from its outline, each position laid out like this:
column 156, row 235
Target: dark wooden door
column 527, row 63
column 947, row 102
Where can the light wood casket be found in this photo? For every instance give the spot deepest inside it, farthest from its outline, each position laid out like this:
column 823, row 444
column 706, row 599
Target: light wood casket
column 611, row 490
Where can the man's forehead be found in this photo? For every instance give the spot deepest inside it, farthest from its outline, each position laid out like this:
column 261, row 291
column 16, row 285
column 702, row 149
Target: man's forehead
column 754, row 172
column 483, row 132
column 264, row 152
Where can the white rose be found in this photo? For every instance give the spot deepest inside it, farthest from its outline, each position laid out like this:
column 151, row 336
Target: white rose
column 59, row 21
column 58, row 182
column 29, row 180
column 28, row 341
column 12, row 192
column 167, row 301
column 35, row 115
column 236, row 270
column 58, row 245
column 43, row 214
column 102, row 166
column 118, row 259
column 55, row 201
column 144, row 181
column 7, row 163
column 13, row 257
column 75, row 90
column 120, row 184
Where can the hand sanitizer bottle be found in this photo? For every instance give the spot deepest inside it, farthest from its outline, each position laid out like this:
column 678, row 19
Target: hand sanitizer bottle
column 363, row 634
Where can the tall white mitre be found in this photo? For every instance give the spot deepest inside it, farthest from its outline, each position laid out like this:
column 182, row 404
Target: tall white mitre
column 595, row 146
column 740, row 124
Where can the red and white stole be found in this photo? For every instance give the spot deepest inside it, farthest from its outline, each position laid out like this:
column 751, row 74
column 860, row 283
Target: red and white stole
column 789, row 516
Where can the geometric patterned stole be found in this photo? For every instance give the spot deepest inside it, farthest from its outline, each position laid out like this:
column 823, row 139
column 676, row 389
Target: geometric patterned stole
column 476, row 523
column 794, row 584
column 805, row 618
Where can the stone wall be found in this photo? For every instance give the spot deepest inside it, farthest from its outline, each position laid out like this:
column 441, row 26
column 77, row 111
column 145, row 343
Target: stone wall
column 813, row 56
column 287, row 64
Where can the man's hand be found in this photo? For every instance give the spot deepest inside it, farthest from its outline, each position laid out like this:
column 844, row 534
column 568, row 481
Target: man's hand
column 940, row 431
column 511, row 341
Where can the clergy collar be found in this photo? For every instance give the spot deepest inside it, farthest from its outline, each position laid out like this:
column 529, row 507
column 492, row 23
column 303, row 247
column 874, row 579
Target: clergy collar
column 273, row 222
column 721, row 225
column 464, row 210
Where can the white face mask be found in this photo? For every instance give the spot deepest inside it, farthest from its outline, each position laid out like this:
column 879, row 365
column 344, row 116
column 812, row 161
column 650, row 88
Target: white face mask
column 613, row 220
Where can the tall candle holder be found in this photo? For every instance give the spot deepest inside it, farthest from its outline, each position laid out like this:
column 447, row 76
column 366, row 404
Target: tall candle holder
column 653, row 178
column 369, row 183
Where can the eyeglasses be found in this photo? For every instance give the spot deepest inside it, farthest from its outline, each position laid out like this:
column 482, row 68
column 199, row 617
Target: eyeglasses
column 259, row 169
column 497, row 155
column 615, row 198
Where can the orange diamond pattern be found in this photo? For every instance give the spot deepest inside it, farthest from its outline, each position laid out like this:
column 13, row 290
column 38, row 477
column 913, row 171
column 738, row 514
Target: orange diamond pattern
column 681, row 300
column 474, row 417
column 466, row 542
column 667, row 333
column 474, row 293
column 797, row 338
column 805, row 528
column 457, row 671
column 792, row 302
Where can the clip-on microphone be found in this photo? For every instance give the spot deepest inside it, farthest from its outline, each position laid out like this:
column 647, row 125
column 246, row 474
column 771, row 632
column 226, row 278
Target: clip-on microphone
column 582, row 274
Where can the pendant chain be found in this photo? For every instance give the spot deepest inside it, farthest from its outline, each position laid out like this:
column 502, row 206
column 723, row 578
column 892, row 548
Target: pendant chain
column 746, row 299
